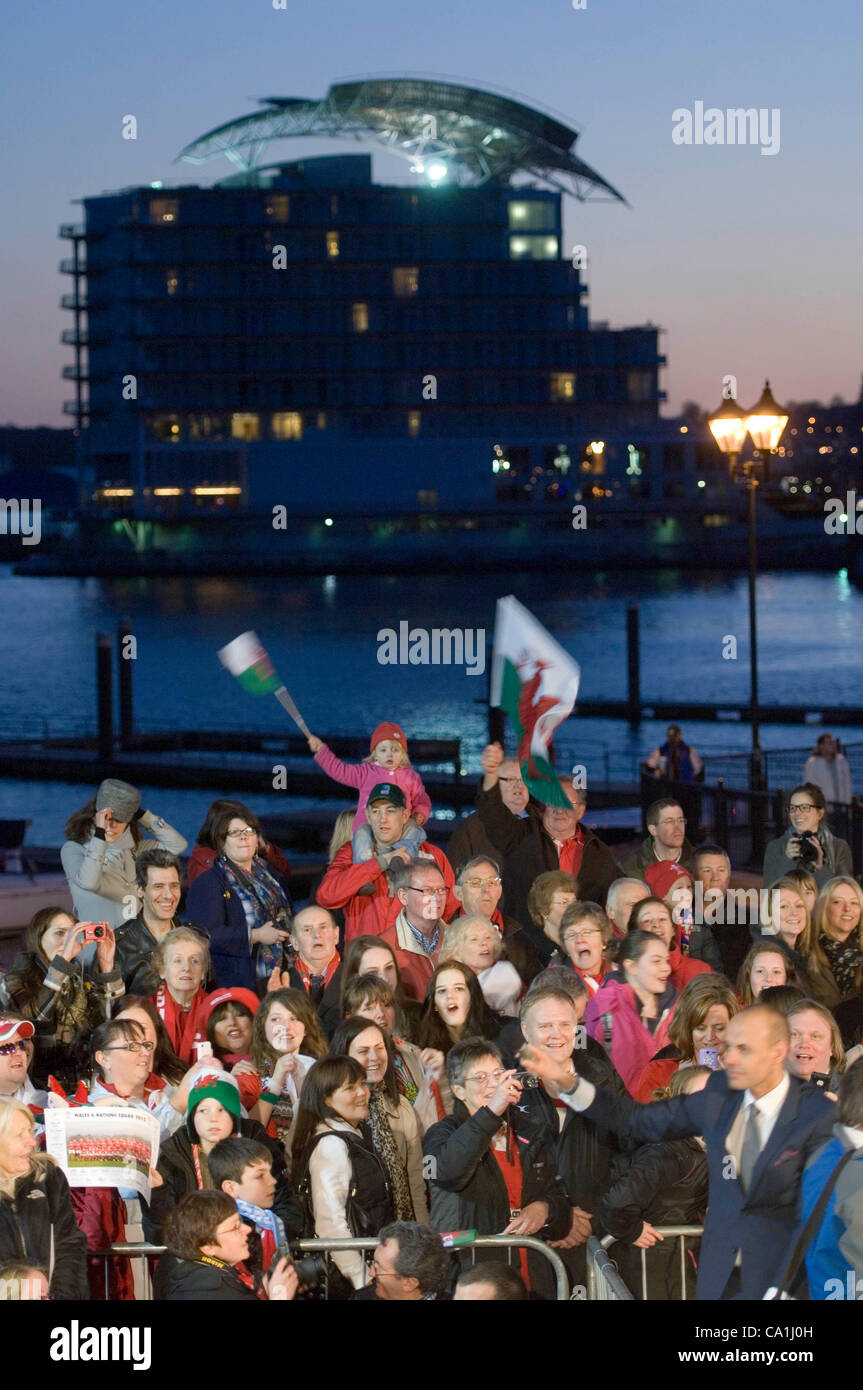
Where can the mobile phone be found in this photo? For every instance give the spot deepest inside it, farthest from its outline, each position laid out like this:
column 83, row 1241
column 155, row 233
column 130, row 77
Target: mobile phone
column 202, row 1050
column 95, row 931
column 708, row 1057
column 821, row 1079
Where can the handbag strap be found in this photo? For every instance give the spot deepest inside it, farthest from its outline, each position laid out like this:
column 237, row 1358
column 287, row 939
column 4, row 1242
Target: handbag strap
column 807, row 1235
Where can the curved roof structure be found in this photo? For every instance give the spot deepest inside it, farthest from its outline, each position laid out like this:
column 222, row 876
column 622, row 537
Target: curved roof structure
column 478, row 135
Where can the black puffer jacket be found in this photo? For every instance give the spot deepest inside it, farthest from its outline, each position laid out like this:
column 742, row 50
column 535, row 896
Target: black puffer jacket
column 37, row 1227
column 468, row 1190
column 665, row 1185
column 186, row 1281
column 587, row 1158
column 177, row 1168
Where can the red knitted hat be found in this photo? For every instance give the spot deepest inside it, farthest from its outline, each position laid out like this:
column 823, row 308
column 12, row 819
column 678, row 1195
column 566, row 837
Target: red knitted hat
column 388, row 731
column 662, row 876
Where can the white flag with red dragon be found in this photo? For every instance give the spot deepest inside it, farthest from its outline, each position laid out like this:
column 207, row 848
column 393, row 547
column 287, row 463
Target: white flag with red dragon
column 536, row 682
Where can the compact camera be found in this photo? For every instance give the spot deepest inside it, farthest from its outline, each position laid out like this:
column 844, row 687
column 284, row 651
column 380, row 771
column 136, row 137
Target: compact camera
column 95, row 931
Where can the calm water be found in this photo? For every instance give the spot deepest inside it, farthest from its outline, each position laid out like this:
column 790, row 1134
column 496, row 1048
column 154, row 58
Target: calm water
column 322, row 636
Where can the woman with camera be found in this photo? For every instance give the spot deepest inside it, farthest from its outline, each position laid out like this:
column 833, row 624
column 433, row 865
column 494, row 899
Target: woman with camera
column 98, row 856
column 208, row 1241
column 242, row 906
column 807, row 843
column 48, row 984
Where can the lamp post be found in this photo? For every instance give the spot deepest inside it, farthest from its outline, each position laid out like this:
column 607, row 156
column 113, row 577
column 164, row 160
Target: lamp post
column 729, row 427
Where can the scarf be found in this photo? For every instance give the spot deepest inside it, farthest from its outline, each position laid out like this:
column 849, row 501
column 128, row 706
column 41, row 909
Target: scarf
column 185, row 1026
column 405, row 1082
column 282, row 1114
column 263, row 901
column 269, row 1225
column 845, row 959
column 315, row 985
column 384, row 1145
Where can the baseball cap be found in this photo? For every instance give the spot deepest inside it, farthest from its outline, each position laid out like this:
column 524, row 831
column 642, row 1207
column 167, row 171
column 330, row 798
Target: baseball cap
column 10, row 1026
column 387, row 791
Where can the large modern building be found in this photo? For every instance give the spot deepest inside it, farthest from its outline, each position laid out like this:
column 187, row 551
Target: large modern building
column 298, row 334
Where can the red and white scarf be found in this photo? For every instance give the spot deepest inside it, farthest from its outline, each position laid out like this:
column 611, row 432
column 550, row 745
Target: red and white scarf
column 185, row 1026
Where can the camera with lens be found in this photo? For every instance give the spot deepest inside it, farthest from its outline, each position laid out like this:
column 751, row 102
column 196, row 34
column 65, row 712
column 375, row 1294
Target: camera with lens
column 527, row 1080
column 808, row 847
column 312, row 1271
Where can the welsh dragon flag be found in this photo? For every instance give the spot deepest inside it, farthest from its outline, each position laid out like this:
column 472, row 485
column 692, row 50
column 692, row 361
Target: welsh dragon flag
column 246, row 659
column 536, row 682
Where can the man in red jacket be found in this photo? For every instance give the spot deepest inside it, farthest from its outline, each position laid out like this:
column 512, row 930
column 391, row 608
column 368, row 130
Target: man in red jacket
column 364, row 890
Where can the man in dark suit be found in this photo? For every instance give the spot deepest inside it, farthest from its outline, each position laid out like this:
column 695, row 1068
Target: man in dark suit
column 760, row 1126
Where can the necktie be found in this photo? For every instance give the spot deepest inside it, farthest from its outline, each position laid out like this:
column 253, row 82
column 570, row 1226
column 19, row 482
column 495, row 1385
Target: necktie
column 316, row 988
column 751, row 1146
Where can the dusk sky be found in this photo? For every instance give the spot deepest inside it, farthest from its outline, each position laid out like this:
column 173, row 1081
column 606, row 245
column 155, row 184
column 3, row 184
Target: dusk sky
column 749, row 262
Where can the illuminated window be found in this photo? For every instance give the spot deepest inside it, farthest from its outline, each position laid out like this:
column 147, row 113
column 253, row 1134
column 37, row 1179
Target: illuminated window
column 532, row 217
column 360, row 317
column 163, row 210
column 406, row 280
column 321, row 420
column 278, row 207
column 533, row 248
column 245, row 425
column 413, row 423
column 332, row 245
column 563, row 386
column 287, row 424
column 172, row 281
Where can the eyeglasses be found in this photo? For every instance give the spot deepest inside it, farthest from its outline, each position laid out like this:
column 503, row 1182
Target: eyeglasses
column 581, row 935
column 429, row 893
column 482, row 882
column 802, row 806
column 235, row 1230
column 8, row 1048
column 520, row 780
column 241, row 834
column 670, row 824
column 143, row 1047
column 481, row 1077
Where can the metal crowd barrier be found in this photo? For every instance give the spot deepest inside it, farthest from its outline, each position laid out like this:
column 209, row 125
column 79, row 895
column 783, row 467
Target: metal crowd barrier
column 133, row 1250
column 603, row 1279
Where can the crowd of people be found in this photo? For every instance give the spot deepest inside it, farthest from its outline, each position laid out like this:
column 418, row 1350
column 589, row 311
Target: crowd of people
column 519, row 1037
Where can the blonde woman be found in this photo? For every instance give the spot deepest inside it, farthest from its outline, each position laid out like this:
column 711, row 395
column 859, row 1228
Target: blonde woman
column 41, row 1232
column 835, row 963
column 788, row 922
column 475, row 942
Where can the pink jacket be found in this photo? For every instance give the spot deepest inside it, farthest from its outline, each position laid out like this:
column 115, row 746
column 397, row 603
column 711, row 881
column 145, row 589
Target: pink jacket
column 365, row 776
column 632, row 1045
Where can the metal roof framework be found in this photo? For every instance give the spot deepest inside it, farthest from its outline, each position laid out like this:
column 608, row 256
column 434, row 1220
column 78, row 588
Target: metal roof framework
column 479, row 135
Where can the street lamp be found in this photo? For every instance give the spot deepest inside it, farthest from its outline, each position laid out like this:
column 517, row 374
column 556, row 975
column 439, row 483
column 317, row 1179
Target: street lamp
column 729, row 427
